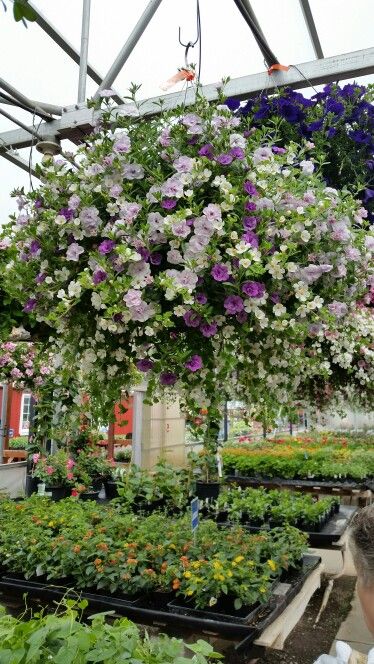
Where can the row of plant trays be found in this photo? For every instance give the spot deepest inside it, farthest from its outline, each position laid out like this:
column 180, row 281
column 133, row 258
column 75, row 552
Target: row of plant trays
column 164, row 609
column 319, row 536
column 348, row 484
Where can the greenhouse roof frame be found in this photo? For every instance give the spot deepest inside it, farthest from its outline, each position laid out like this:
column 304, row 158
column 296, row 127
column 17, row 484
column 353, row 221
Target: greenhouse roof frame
column 75, row 120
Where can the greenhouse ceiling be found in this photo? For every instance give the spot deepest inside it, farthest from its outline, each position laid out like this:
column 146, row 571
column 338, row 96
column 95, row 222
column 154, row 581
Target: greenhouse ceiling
column 129, row 41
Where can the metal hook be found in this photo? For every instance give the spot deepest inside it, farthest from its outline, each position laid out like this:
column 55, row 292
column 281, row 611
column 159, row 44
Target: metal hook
column 187, row 47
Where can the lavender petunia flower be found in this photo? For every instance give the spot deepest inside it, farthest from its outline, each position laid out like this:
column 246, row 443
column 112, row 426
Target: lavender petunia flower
column 233, row 304
column 133, row 172
column 74, row 251
column 194, row 363
column 219, row 272
column 253, row 289
column 338, row 309
column 122, row 144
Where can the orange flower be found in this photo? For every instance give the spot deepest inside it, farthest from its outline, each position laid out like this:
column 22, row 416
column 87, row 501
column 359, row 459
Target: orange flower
column 176, row 584
column 164, row 567
column 132, row 561
column 77, row 548
column 97, row 561
column 102, row 546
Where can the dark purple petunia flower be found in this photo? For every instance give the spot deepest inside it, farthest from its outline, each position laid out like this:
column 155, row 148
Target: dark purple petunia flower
column 40, row 277
column 191, row 318
column 275, row 298
column 30, row 305
column 315, row 126
column 250, row 188
column 232, row 104
column 334, row 106
column 67, row 213
column 144, row 365
column 251, row 238
column 99, row 276
column 237, row 153
column 233, row 304
column 224, row 159
column 194, row 363
column 253, row 288
column 208, row 329
column 34, row 247
column 106, row 246
column 278, row 150
column 219, row 272
column 368, row 195
column 331, row 132
column 38, row 204
column 207, row 150
column 289, row 111
column 168, row 203
column 168, row 378
column 155, row 259
column 370, row 164
column 201, row 298
column 242, row 317
column 144, row 252
column 250, row 223
column 117, row 318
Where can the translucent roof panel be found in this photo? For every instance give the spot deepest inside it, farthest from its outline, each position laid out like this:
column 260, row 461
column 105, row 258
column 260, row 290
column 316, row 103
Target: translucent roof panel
column 343, row 26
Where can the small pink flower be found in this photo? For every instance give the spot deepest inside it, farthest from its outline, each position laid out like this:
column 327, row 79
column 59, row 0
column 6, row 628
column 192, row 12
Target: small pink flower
column 70, row 464
column 49, row 470
column 70, row 476
column 35, row 458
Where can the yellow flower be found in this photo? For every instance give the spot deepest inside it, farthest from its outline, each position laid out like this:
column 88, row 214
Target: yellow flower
column 239, row 559
column 187, row 575
column 272, row 565
column 196, row 564
column 189, row 593
column 262, row 589
column 51, row 524
column 217, row 564
column 229, row 573
column 221, row 577
column 172, row 546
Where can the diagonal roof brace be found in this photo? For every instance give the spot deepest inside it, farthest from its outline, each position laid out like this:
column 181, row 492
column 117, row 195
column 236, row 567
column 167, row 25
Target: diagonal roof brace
column 15, row 159
column 311, row 26
column 24, row 100
column 251, row 19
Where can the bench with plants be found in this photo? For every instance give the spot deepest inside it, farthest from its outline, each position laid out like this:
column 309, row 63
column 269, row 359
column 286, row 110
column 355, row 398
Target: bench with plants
column 149, row 563
column 342, row 465
column 258, row 508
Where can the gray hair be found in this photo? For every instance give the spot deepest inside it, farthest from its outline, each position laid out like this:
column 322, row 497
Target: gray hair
column 362, row 544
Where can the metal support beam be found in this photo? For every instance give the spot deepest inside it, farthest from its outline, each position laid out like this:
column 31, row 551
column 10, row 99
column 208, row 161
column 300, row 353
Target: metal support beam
column 311, row 26
column 18, row 161
column 251, row 20
column 84, row 51
column 75, row 123
column 24, row 100
column 68, row 48
column 52, row 109
column 129, row 46
column 19, row 123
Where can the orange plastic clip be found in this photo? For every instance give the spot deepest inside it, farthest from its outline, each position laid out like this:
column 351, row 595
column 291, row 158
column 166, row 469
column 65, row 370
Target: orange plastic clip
column 181, row 75
column 277, row 67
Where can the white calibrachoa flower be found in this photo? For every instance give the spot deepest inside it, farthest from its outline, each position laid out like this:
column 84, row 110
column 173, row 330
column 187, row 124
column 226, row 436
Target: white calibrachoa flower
column 177, row 245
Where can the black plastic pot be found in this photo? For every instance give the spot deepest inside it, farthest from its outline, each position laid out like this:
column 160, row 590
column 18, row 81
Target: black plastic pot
column 58, row 492
column 110, row 489
column 223, row 610
column 31, row 485
column 207, row 489
column 96, row 483
column 90, row 495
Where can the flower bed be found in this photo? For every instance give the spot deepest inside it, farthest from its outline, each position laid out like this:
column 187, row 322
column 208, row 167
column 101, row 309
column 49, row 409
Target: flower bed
column 317, row 440
column 89, row 546
column 290, row 462
column 257, row 507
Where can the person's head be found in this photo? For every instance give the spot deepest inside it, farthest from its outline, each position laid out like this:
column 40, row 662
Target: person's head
column 362, row 546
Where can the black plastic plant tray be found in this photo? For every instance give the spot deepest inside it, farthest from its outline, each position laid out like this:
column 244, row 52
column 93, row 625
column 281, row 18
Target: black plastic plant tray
column 281, row 481
column 243, row 616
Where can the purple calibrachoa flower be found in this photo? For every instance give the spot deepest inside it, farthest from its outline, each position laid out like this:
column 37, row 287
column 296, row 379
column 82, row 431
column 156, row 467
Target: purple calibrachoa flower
column 98, row 276
column 40, row 277
column 250, row 188
column 34, row 247
column 155, row 258
column 242, row 317
column 194, row 363
column 237, row 153
column 338, row 309
column 250, row 223
column 30, row 305
column 201, row 298
column 220, row 272
column 233, row 304
column 74, row 251
column 68, row 213
column 168, row 203
column 251, row 238
column 207, row 150
column 106, row 246
column 191, row 318
column 168, row 378
column 208, row 329
column 253, row 288
column 224, row 159
column 250, row 206
column 144, row 365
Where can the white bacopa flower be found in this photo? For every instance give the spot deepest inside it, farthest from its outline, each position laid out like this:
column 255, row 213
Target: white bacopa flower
column 279, row 309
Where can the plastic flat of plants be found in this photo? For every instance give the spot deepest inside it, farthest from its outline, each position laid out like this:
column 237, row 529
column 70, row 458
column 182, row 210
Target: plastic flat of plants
column 244, row 616
column 281, row 481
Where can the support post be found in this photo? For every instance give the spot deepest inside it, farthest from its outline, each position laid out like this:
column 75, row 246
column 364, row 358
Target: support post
column 83, row 62
column 110, row 448
column 137, row 424
column 129, row 46
column 4, row 402
column 7, row 418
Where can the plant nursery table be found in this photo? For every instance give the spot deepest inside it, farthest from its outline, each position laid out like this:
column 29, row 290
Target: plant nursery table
column 362, row 491
column 293, row 590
